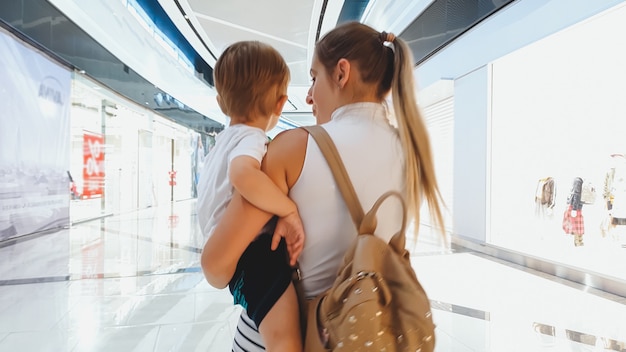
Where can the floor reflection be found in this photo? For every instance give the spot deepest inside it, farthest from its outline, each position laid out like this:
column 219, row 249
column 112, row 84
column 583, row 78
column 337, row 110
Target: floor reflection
column 133, row 283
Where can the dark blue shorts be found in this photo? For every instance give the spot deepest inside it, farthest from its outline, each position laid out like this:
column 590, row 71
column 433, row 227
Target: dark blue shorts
column 261, row 277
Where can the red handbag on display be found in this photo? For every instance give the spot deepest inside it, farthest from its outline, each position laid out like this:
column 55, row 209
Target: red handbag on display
column 573, row 221
column 567, row 220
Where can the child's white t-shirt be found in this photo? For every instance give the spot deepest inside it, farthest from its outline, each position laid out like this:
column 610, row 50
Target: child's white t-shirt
column 214, row 187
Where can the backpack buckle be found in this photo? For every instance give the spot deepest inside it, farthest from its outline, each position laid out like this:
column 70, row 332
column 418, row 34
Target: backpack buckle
column 296, row 274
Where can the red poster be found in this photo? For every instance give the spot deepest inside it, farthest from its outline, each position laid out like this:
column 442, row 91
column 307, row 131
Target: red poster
column 93, row 165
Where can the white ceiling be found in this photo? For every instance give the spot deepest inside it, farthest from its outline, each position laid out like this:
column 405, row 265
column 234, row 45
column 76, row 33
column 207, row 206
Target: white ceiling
column 289, row 26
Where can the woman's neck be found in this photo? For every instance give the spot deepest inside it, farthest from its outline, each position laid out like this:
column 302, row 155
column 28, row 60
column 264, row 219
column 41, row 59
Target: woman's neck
column 359, row 93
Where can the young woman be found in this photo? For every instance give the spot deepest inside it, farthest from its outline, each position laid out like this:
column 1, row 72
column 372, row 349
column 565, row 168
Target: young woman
column 354, row 68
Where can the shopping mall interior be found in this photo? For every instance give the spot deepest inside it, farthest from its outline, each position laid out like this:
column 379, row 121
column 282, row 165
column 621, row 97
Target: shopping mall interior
column 111, row 111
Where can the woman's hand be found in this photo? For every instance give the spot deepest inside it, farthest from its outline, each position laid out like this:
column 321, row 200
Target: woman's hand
column 290, row 227
column 230, row 239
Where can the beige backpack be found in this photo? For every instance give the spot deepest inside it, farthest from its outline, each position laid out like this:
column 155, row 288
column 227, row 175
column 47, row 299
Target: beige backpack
column 376, row 303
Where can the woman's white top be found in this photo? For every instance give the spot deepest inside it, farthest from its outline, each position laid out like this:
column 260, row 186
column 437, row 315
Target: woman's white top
column 371, row 151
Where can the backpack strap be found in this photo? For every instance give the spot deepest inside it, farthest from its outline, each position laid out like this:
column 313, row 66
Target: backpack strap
column 368, row 225
column 331, row 154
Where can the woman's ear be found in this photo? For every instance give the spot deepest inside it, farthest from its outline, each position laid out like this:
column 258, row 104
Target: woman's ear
column 280, row 104
column 342, row 72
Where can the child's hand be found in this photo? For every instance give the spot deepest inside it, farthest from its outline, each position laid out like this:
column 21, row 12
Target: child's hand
column 290, row 227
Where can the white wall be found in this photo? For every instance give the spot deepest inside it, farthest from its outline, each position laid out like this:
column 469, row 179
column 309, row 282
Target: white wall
column 470, row 154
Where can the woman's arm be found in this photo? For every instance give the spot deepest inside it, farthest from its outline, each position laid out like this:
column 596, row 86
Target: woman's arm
column 240, row 224
column 241, row 221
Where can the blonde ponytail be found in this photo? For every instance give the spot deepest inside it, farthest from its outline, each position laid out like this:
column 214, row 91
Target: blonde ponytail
column 421, row 182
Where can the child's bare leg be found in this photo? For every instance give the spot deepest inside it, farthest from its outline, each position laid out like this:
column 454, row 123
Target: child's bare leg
column 280, row 328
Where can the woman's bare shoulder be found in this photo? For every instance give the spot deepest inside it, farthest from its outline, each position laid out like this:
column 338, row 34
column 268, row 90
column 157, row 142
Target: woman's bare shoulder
column 285, row 153
column 288, row 143
column 296, row 135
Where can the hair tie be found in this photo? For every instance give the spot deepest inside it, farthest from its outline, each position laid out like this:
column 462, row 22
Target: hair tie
column 387, row 37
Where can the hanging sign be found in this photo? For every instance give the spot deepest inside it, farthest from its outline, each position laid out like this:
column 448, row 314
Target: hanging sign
column 93, row 165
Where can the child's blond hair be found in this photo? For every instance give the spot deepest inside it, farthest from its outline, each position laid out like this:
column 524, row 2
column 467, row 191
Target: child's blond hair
column 250, row 77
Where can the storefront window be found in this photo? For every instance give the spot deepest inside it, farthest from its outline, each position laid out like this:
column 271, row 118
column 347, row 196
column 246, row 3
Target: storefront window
column 86, row 130
column 123, row 156
column 557, row 146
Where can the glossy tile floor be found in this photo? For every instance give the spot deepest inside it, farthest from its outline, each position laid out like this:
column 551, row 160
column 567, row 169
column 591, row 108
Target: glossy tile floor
column 133, row 283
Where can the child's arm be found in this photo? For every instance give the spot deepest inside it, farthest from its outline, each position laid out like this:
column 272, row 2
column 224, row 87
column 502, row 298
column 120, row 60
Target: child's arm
column 257, row 188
